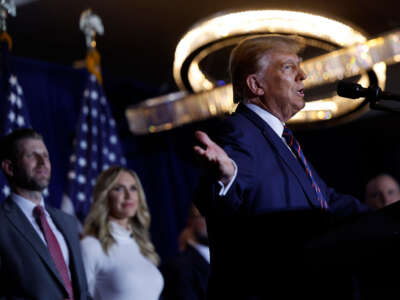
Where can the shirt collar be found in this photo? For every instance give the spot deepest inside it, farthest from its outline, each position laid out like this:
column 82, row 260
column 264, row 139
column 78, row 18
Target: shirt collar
column 204, row 251
column 276, row 124
column 26, row 205
column 119, row 231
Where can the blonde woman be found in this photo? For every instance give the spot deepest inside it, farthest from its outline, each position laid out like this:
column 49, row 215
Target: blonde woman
column 120, row 260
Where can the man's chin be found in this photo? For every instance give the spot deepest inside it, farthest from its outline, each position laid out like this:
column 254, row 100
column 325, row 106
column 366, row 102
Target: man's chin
column 39, row 189
column 38, row 186
column 202, row 239
column 301, row 104
column 298, row 108
column 42, row 187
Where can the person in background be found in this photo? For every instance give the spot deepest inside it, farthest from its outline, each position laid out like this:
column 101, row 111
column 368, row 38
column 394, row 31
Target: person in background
column 40, row 257
column 186, row 276
column 382, row 190
column 119, row 257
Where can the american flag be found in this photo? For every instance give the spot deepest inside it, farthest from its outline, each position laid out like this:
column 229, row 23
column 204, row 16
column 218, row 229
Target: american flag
column 15, row 116
column 96, row 147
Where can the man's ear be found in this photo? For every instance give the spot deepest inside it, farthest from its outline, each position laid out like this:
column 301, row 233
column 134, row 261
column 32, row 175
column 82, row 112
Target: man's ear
column 8, row 167
column 253, row 85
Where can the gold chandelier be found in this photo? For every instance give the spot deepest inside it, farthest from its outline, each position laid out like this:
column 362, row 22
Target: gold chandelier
column 348, row 53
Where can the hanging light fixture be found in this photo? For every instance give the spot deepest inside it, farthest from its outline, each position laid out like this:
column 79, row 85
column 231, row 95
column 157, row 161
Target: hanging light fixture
column 334, row 51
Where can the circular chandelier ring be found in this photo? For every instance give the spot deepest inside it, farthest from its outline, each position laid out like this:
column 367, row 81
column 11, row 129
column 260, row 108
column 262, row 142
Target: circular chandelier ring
column 221, row 27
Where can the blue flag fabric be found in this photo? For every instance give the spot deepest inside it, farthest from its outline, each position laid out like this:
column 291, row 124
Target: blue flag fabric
column 96, row 147
column 15, row 116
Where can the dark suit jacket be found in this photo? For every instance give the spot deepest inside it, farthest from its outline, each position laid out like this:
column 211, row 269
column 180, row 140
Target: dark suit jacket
column 186, row 276
column 26, row 267
column 258, row 225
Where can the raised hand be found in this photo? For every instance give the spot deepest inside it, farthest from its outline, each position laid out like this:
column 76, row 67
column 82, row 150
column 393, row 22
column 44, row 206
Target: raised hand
column 214, row 158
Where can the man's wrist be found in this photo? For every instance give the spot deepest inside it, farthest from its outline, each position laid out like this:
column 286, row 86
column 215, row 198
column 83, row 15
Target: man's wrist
column 228, row 172
column 226, row 186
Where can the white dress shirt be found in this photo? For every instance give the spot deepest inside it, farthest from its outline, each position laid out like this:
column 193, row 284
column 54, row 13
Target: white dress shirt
column 273, row 122
column 203, row 250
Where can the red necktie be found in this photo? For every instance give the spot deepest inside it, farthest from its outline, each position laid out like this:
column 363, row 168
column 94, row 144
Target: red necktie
column 54, row 248
column 295, row 146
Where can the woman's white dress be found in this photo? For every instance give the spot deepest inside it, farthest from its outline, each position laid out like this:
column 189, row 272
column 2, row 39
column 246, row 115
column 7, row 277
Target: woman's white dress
column 123, row 274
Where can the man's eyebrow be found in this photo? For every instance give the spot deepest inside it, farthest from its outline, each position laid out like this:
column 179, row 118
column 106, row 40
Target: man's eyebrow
column 292, row 60
column 289, row 61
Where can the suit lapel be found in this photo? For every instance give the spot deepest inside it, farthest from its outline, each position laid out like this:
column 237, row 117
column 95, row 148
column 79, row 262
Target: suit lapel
column 19, row 220
column 284, row 153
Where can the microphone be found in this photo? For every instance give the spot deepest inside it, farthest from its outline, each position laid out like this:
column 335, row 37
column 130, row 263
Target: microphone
column 353, row 90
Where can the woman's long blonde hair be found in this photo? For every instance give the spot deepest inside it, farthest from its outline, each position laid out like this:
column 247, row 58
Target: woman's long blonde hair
column 97, row 221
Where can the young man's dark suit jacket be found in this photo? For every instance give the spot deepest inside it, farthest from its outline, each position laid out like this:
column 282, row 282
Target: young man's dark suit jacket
column 186, row 276
column 26, row 267
column 259, row 223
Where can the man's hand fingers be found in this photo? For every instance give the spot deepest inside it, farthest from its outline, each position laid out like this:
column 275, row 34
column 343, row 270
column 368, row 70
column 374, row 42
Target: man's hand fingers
column 208, row 154
column 203, row 138
column 200, row 151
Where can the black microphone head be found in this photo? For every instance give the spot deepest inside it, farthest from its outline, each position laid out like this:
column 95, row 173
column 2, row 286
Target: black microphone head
column 350, row 90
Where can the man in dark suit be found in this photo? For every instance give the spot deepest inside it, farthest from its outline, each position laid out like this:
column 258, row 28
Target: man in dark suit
column 186, row 276
column 262, row 171
column 40, row 254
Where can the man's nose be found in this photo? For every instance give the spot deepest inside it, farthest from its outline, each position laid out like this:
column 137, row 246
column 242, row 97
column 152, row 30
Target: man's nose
column 40, row 158
column 386, row 199
column 301, row 75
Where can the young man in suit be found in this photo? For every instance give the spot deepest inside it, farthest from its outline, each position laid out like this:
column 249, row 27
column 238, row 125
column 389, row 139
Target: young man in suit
column 40, row 255
column 262, row 171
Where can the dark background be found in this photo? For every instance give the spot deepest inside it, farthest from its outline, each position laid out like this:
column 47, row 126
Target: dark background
column 140, row 36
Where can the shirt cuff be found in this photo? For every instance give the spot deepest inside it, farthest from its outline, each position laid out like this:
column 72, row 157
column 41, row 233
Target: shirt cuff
column 224, row 189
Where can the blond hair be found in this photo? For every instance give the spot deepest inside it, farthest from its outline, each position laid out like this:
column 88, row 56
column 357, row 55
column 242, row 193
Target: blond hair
column 97, row 221
column 245, row 58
